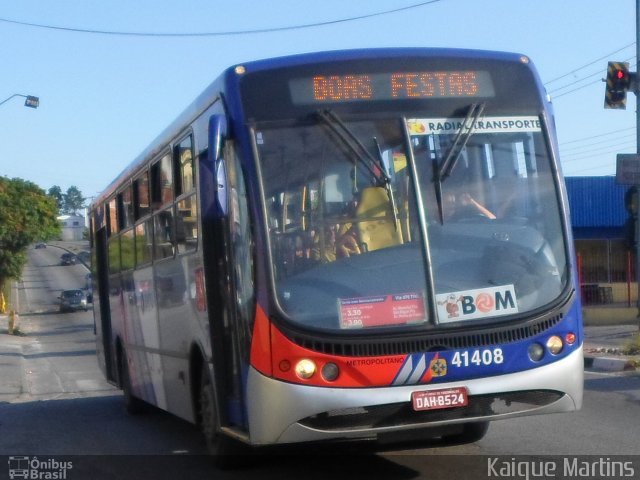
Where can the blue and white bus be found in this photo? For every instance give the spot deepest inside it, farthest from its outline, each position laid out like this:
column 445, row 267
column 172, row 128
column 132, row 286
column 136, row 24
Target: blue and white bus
column 350, row 245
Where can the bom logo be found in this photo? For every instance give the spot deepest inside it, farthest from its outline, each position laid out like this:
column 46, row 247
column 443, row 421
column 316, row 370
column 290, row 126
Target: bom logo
column 476, row 303
column 485, row 303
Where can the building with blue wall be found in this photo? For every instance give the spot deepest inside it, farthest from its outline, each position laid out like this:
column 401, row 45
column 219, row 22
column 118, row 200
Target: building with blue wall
column 598, row 217
column 597, row 207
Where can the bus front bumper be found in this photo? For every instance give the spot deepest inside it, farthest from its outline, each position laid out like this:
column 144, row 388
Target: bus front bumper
column 282, row 412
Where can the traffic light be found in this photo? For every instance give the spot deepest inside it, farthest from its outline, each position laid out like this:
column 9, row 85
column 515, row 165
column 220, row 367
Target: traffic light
column 618, row 83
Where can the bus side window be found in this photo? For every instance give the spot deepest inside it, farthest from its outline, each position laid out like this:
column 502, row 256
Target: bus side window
column 162, row 182
column 111, row 211
column 141, row 195
column 187, row 224
column 125, row 208
column 143, row 242
column 183, row 166
column 113, row 247
column 127, row 250
column 163, row 234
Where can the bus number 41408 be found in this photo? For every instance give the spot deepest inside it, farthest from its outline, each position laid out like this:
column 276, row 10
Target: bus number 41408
column 478, row 357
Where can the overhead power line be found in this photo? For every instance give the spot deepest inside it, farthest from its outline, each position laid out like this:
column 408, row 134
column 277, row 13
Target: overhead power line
column 577, row 173
column 596, row 152
column 577, row 88
column 607, row 56
column 554, row 91
column 217, row 34
column 579, row 149
column 575, row 82
column 591, row 137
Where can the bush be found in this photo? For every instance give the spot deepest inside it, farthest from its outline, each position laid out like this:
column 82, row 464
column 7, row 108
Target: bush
column 632, row 347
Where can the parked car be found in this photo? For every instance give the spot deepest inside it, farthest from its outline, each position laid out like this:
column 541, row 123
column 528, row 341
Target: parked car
column 41, row 245
column 68, row 259
column 71, row 300
column 84, row 256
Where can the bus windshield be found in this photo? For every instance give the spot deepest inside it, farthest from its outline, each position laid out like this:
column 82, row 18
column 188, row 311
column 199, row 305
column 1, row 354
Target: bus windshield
column 410, row 222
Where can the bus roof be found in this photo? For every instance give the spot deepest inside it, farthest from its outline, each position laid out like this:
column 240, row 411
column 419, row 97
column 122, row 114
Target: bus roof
column 211, row 93
column 356, row 54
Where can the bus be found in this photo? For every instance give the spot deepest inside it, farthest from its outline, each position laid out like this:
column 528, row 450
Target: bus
column 345, row 246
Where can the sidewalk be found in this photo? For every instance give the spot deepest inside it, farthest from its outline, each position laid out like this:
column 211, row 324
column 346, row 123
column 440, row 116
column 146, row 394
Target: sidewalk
column 53, row 357
column 11, row 362
column 609, row 332
column 606, row 346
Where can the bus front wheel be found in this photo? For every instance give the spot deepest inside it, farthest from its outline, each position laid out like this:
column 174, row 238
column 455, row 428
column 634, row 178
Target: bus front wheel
column 221, row 447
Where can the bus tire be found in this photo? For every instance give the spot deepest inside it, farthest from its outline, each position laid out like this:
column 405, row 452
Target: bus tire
column 132, row 404
column 223, row 449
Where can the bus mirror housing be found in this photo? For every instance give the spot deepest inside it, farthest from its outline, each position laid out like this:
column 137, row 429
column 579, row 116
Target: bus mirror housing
column 217, row 134
column 221, row 180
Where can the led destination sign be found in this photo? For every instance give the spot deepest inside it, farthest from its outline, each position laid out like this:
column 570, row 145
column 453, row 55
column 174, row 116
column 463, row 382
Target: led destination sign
column 390, row 86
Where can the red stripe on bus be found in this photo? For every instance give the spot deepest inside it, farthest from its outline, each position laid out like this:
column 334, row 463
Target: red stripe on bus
column 261, row 343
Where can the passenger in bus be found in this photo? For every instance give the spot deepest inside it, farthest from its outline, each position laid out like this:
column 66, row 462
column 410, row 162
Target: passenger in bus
column 339, row 241
column 302, row 253
column 346, row 242
column 324, row 244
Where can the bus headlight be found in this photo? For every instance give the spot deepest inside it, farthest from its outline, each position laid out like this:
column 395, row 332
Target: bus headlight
column 536, row 352
column 555, row 345
column 305, row 369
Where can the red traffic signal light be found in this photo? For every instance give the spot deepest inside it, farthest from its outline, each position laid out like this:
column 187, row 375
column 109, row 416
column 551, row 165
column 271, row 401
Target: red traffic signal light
column 618, row 83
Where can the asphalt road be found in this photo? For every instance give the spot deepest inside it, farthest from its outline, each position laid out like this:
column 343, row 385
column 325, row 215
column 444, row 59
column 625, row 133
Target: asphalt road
column 55, row 406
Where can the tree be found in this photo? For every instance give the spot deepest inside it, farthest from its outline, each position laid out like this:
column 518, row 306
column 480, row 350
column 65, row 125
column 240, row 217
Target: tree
column 56, row 192
column 73, row 200
column 27, row 214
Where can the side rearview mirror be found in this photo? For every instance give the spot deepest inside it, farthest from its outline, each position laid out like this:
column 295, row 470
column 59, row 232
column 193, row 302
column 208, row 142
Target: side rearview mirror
column 217, row 135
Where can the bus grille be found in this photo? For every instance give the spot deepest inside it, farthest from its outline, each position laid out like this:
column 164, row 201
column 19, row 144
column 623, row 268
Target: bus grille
column 402, row 414
column 404, row 346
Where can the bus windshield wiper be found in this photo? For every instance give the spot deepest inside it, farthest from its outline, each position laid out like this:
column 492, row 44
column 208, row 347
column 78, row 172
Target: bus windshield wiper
column 444, row 169
column 460, row 141
column 361, row 153
column 387, row 182
column 352, row 142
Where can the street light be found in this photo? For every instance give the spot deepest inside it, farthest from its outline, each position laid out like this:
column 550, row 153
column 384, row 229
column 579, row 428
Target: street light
column 30, row 100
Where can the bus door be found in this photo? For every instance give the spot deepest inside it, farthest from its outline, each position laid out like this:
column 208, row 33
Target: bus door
column 101, row 281
column 229, row 269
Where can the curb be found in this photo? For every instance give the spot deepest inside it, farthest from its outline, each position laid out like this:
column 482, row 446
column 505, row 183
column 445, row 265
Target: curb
column 609, row 364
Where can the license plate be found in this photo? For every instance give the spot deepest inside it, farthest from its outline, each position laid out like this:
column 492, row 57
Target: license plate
column 438, row 399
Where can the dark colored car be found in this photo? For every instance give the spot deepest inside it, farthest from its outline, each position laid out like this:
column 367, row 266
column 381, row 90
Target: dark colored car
column 84, row 256
column 68, row 259
column 71, row 300
column 41, row 245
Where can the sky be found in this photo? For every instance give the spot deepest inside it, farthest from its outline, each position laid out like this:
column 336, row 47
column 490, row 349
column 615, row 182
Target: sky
column 105, row 97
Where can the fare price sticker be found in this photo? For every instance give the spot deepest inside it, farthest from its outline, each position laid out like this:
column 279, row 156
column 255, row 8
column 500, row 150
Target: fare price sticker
column 381, row 310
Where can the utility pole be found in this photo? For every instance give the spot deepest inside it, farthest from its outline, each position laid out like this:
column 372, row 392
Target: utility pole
column 619, row 81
